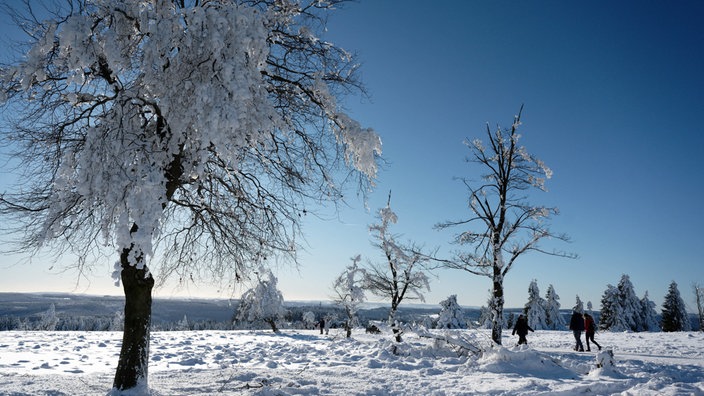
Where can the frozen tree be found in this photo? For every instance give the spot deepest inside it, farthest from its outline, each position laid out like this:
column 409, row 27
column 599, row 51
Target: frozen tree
column 486, row 313
column 590, row 308
column 183, row 324
column 193, row 131
column 263, row 303
column 349, row 292
column 48, row 320
column 118, row 321
column 535, row 308
column 503, row 225
column 451, row 314
column 578, row 305
column 485, row 317
column 609, row 308
column 553, row 319
column 401, row 275
column 648, row 314
column 699, row 298
column 308, row 319
column 630, row 303
column 674, row 313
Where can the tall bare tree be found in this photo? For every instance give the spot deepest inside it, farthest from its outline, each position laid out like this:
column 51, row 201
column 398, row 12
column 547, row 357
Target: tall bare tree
column 504, row 226
column 189, row 137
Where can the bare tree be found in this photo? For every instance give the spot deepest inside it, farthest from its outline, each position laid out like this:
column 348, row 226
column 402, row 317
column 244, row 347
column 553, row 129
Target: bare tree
column 185, row 135
column 402, row 273
column 504, row 225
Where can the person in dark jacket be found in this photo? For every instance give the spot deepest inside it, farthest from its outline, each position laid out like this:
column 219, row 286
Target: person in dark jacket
column 521, row 327
column 577, row 327
column 589, row 330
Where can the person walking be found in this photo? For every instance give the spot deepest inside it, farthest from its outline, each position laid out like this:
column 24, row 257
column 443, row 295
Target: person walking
column 589, row 330
column 521, row 327
column 577, row 327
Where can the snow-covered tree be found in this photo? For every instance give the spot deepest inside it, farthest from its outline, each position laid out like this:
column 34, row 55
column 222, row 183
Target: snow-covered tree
column 553, row 319
column 192, row 131
column 309, row 319
column 578, row 305
column 507, row 226
column 401, row 275
column 699, row 298
column 118, row 321
column 263, row 303
column 648, row 314
column 590, row 307
column 535, row 308
column 610, row 315
column 349, row 292
column 451, row 314
column 48, row 319
column 674, row 313
column 486, row 313
column 632, row 310
column 485, row 317
column 183, row 324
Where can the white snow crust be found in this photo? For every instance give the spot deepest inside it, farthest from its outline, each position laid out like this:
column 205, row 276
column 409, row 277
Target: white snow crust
column 303, row 362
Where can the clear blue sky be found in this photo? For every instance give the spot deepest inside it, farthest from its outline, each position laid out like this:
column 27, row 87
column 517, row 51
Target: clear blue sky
column 613, row 94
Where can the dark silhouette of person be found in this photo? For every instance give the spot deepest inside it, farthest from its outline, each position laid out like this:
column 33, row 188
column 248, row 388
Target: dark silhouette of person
column 589, row 330
column 521, row 327
column 577, row 327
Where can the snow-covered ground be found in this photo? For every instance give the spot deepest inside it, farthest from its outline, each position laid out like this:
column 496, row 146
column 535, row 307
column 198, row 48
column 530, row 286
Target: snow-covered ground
column 307, row 363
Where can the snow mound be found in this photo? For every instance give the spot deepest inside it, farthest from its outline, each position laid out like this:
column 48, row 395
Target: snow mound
column 522, row 361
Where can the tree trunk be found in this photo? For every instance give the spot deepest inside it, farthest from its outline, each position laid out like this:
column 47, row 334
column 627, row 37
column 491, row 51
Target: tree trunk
column 132, row 368
column 498, row 314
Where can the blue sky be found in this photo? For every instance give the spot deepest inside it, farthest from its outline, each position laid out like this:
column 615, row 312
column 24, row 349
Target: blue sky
column 613, row 95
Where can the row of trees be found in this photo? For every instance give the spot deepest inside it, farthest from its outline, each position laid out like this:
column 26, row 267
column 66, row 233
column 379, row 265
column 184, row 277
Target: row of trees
column 622, row 310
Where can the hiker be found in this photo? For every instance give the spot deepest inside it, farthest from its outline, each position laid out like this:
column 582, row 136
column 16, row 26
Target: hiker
column 589, row 330
column 521, row 327
column 322, row 325
column 577, row 327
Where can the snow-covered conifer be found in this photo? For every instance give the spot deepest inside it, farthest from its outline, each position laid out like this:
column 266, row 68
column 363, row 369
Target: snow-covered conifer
column 611, row 317
column 631, row 313
column 674, row 313
column 535, row 308
column 48, row 319
column 648, row 314
column 554, row 319
column 578, row 305
column 451, row 314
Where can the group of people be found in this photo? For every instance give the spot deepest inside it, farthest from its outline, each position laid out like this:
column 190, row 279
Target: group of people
column 583, row 323
column 578, row 324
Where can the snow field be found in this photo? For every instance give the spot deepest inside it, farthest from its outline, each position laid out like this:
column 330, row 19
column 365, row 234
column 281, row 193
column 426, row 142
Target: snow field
column 298, row 362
